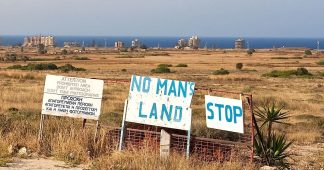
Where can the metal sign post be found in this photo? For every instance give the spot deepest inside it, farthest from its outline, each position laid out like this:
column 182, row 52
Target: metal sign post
column 123, row 129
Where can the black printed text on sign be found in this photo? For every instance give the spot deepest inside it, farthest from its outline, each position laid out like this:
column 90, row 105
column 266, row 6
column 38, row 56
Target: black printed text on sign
column 72, row 97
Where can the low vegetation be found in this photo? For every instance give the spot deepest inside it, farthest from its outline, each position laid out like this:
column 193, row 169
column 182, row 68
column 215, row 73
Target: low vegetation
column 165, row 65
column 285, row 58
column 250, row 51
column 239, row 66
column 46, row 66
column 321, row 62
column 288, row 73
column 308, row 52
column 81, row 58
column 182, row 65
column 14, row 57
column 162, row 68
column 221, row 71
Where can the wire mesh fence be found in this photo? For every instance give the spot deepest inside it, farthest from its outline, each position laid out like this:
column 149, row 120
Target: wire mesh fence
column 221, row 147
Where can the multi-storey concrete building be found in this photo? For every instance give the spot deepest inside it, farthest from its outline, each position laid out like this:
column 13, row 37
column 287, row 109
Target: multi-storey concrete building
column 194, row 42
column 181, row 44
column 136, row 43
column 119, row 44
column 32, row 41
column 240, row 43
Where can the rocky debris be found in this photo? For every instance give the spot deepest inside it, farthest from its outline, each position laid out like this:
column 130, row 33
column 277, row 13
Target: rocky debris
column 22, row 152
column 268, row 168
column 15, row 149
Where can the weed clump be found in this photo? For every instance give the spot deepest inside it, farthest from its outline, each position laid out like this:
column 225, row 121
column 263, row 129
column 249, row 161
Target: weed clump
column 81, row 58
column 46, row 66
column 165, row 65
column 162, row 68
column 239, row 66
column 321, row 62
column 287, row 73
column 221, row 72
column 182, row 65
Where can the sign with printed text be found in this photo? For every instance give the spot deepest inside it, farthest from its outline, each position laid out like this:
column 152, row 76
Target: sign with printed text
column 224, row 114
column 160, row 102
column 72, row 97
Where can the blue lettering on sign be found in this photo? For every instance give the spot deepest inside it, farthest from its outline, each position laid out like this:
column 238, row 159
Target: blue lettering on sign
column 161, row 84
column 176, row 118
column 231, row 113
column 140, row 114
column 182, row 89
column 192, row 88
column 219, row 106
column 141, row 85
column 153, row 111
column 166, row 113
column 211, row 116
column 237, row 114
column 172, row 89
column 228, row 113
column 136, row 83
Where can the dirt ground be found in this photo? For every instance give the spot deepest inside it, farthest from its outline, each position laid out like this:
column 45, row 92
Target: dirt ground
column 41, row 163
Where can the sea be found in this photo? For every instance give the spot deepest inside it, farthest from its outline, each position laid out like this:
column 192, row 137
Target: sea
column 170, row 42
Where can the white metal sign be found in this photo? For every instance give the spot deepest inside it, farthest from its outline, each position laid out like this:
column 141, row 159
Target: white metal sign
column 224, row 114
column 160, row 102
column 72, row 97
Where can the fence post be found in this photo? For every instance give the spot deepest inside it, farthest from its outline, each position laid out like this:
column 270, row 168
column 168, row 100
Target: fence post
column 253, row 123
column 188, row 142
column 123, row 129
column 165, row 144
column 41, row 127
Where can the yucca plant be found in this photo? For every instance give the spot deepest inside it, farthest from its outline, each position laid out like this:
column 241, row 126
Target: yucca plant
column 272, row 147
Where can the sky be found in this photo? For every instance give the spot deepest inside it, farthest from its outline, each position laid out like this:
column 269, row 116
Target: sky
column 212, row 18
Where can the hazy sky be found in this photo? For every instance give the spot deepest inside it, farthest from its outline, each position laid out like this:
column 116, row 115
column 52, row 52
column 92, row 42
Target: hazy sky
column 220, row 18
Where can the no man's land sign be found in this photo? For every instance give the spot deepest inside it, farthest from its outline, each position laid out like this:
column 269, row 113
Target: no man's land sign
column 160, row 102
column 72, row 97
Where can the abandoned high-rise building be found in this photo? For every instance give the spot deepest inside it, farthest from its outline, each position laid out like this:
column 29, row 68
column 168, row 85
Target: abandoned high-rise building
column 240, row 43
column 33, row 41
column 194, row 42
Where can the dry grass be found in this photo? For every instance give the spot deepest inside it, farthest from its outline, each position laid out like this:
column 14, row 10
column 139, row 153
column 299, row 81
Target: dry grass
column 65, row 139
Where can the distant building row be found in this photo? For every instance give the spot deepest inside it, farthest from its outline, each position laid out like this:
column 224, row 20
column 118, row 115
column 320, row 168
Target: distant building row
column 134, row 44
column 193, row 43
column 32, row 41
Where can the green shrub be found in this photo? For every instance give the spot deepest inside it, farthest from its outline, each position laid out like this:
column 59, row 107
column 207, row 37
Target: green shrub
column 64, row 52
column 69, row 67
column 165, row 65
column 308, row 52
column 239, row 66
column 277, row 73
column 81, row 58
column 221, row 72
column 15, row 67
column 281, row 58
column 48, row 66
column 302, row 72
column 161, row 70
column 287, row 73
column 321, row 62
column 250, row 51
column 182, row 65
